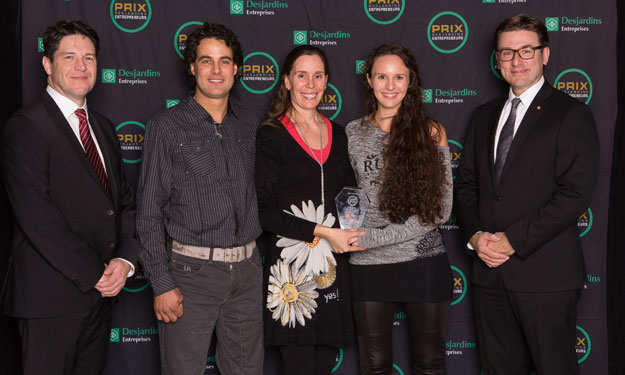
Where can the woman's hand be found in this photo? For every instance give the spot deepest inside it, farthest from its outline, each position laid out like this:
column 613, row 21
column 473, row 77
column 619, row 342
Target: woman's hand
column 342, row 240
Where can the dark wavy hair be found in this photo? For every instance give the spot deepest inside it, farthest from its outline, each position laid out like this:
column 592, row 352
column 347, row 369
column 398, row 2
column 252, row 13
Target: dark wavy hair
column 211, row 30
column 413, row 176
column 281, row 102
column 53, row 35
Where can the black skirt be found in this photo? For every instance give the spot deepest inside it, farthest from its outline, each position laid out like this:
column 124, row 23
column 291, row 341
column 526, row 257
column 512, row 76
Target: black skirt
column 419, row 280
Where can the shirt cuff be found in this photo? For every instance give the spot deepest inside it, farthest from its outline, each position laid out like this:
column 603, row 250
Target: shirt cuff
column 132, row 267
column 469, row 243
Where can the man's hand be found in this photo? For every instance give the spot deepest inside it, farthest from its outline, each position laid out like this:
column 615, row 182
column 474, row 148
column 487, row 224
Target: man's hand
column 113, row 279
column 503, row 246
column 482, row 244
column 168, row 306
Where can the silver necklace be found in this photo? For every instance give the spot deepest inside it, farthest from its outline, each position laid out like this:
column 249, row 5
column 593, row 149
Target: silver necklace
column 320, row 160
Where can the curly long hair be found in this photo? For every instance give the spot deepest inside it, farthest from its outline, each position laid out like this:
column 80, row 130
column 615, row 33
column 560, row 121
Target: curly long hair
column 281, row 102
column 413, row 177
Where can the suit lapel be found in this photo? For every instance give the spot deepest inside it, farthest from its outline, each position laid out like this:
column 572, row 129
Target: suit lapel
column 492, row 130
column 63, row 126
column 532, row 115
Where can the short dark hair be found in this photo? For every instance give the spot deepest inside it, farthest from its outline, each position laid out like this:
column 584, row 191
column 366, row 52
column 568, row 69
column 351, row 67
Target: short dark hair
column 210, row 30
column 523, row 22
column 53, row 35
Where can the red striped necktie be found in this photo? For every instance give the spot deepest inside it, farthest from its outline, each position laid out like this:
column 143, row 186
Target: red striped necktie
column 91, row 150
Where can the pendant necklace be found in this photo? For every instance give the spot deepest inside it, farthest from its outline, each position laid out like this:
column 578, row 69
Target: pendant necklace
column 320, row 160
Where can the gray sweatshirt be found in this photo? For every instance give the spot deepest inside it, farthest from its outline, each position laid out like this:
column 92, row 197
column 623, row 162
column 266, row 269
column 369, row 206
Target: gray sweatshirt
column 388, row 242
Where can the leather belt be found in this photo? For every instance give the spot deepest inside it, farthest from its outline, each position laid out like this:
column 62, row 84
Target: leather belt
column 228, row 255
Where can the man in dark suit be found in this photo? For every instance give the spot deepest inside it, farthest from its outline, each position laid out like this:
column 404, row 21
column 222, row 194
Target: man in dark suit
column 74, row 242
column 528, row 172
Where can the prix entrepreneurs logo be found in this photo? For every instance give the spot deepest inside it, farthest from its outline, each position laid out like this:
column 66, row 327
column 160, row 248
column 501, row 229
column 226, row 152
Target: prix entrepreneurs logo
column 551, row 23
column 130, row 134
column 108, row 76
column 331, row 102
column 582, row 344
column 576, row 83
column 584, row 222
column 397, row 370
column 136, row 284
column 114, row 335
column 236, row 7
column 455, row 154
column 384, row 12
column 494, row 67
column 259, row 73
column 300, row 37
column 181, row 36
column 447, row 32
column 131, row 16
column 459, row 285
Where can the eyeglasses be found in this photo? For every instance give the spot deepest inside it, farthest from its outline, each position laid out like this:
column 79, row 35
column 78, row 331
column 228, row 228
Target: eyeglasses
column 525, row 53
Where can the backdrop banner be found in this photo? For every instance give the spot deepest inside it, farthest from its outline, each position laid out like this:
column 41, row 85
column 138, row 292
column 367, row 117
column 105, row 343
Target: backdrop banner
column 141, row 73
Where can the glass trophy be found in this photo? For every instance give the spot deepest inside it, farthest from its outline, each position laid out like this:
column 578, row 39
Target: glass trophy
column 351, row 207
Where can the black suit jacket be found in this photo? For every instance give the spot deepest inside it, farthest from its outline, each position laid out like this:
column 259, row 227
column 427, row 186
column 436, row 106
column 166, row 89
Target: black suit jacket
column 547, row 182
column 66, row 225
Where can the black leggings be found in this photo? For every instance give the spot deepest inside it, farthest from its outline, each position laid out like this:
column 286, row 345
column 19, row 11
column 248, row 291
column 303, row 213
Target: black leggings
column 427, row 323
column 307, row 359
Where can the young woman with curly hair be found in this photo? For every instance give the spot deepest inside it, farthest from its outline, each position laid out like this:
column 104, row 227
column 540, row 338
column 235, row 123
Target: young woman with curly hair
column 401, row 160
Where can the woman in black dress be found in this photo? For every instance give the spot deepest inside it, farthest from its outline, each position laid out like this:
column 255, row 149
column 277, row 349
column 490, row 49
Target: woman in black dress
column 301, row 165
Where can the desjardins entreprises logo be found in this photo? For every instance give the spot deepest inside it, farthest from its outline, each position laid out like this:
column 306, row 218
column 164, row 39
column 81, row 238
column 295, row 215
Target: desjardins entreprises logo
column 131, row 77
column 133, row 335
column 572, row 24
column 321, row 38
column 447, row 96
column 256, row 8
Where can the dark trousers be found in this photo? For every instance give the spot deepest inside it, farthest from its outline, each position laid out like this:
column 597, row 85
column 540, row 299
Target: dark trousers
column 427, row 323
column 307, row 359
column 518, row 332
column 70, row 345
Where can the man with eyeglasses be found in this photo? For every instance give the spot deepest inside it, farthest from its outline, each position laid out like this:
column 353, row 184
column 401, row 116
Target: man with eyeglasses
column 527, row 173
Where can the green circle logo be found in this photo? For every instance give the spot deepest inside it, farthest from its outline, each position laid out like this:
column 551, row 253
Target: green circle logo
column 130, row 135
column 492, row 66
column 384, row 12
column 455, row 155
column 447, row 32
column 576, row 83
column 131, row 16
column 331, row 102
column 259, row 73
column 397, row 370
column 582, row 344
column 459, row 285
column 584, row 222
column 180, row 38
column 339, row 360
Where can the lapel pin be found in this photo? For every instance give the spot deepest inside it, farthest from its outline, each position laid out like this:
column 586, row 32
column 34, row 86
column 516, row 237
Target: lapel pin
column 538, row 107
